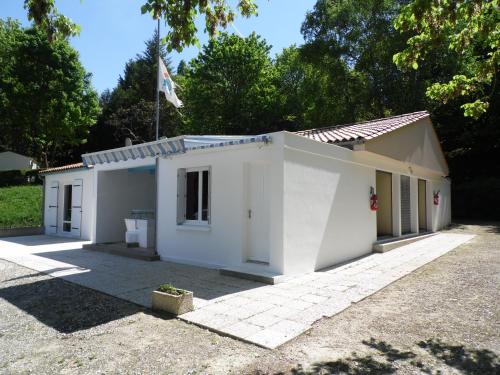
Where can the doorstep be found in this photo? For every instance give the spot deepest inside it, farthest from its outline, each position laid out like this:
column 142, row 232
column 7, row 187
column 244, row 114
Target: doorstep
column 254, row 272
column 385, row 245
column 121, row 249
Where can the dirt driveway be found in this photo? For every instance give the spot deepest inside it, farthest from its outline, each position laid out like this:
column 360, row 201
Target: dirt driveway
column 444, row 317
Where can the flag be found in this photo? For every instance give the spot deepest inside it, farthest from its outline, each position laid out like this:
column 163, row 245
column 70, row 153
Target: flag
column 166, row 85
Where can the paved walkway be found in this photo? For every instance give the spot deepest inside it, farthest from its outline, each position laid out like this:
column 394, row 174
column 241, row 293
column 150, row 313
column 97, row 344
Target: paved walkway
column 267, row 315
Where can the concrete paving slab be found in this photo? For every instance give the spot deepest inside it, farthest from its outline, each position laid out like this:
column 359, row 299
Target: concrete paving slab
column 267, row 315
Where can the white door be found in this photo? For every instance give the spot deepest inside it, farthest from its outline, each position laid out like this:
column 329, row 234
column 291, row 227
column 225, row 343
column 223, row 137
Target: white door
column 76, row 207
column 258, row 212
column 53, row 196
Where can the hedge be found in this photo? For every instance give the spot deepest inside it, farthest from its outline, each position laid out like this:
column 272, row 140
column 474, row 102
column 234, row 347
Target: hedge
column 20, row 177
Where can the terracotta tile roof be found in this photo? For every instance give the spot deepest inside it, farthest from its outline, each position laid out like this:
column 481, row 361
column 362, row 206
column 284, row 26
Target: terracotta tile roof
column 362, row 130
column 63, row 168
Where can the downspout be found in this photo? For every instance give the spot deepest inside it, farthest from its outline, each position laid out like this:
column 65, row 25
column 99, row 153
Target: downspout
column 43, row 203
column 157, row 165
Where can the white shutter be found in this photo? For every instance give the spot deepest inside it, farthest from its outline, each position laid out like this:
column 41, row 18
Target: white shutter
column 181, row 195
column 53, row 199
column 76, row 207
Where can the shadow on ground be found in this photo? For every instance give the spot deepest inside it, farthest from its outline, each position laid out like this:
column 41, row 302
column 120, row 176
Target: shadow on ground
column 483, row 226
column 67, row 307
column 387, row 360
column 205, row 283
column 39, row 240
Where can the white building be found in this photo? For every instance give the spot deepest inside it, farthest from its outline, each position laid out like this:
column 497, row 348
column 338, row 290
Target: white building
column 282, row 202
column 13, row 161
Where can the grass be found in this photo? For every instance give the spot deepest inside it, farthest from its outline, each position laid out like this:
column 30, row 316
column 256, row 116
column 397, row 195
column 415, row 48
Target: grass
column 170, row 289
column 20, row 206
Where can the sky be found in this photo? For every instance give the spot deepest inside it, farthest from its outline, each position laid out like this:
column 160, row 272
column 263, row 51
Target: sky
column 114, row 31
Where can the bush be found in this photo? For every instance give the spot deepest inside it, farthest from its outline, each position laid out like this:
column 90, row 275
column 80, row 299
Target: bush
column 170, row 289
column 478, row 199
column 20, row 177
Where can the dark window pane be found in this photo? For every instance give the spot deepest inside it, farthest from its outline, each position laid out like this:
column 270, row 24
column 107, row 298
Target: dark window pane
column 204, row 196
column 192, row 195
column 68, row 190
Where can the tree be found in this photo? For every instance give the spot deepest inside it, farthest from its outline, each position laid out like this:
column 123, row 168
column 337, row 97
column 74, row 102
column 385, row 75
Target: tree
column 129, row 109
column 317, row 92
column 468, row 27
column 44, row 15
column 178, row 15
column 362, row 36
column 229, row 88
column 47, row 101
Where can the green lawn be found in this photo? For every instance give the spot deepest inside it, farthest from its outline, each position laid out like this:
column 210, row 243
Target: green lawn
column 20, row 206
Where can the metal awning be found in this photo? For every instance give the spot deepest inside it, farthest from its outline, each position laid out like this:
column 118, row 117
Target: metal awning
column 168, row 147
column 202, row 142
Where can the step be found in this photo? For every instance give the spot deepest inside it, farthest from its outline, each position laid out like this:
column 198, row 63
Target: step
column 253, row 274
column 121, row 249
column 393, row 243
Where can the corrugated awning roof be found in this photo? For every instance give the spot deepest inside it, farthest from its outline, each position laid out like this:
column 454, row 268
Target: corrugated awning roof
column 169, row 146
column 362, row 131
column 63, row 168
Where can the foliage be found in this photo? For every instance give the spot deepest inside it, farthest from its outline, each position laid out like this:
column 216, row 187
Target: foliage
column 44, row 14
column 129, row 110
column 19, row 177
column 180, row 17
column 359, row 36
column 20, row 206
column 468, row 27
column 229, row 88
column 170, row 289
column 315, row 93
column 47, row 102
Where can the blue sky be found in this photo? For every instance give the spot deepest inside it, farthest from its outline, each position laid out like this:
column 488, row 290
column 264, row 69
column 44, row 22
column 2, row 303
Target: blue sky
column 113, row 31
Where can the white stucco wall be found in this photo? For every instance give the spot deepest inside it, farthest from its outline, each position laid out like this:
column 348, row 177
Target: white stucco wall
column 413, row 144
column 67, row 178
column 223, row 243
column 119, row 192
column 327, row 217
column 441, row 214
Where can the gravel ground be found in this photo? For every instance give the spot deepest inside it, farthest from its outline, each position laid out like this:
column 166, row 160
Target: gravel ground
column 443, row 318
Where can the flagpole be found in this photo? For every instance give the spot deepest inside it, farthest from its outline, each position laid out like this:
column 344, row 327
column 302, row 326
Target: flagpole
column 158, row 79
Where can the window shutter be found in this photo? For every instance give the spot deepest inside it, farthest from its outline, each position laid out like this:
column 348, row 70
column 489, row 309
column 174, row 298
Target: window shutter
column 181, row 195
column 76, row 207
column 53, row 207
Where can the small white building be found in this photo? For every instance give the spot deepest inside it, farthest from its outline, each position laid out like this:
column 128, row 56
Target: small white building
column 10, row 161
column 283, row 202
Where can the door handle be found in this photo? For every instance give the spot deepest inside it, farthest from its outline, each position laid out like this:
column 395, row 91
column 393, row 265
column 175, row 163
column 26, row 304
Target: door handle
column 249, row 214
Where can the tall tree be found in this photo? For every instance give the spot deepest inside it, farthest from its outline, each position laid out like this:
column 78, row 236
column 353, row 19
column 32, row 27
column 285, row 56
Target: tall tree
column 317, row 92
column 229, row 88
column 470, row 28
column 129, row 109
column 361, row 35
column 47, row 101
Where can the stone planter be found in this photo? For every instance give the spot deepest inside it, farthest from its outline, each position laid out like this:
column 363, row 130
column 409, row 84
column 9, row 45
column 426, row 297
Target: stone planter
column 171, row 303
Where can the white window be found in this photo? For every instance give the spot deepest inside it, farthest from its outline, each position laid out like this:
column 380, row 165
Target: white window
column 193, row 196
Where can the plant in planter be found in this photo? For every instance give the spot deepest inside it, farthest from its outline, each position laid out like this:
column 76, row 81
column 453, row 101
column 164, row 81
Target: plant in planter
column 173, row 300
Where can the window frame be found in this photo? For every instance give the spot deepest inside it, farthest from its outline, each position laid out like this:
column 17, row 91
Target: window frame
column 200, row 221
